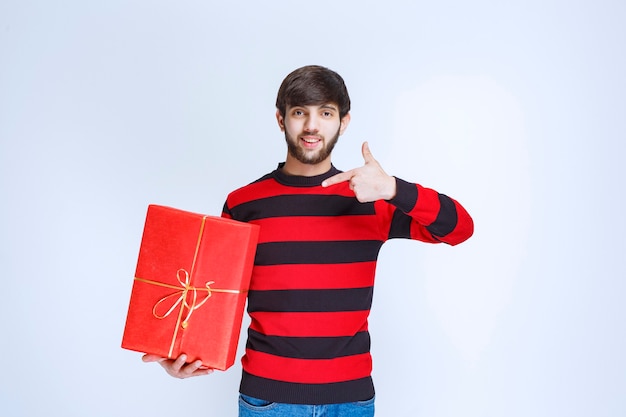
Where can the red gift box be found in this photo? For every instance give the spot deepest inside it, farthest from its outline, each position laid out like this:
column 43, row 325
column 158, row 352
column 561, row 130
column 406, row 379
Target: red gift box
column 190, row 286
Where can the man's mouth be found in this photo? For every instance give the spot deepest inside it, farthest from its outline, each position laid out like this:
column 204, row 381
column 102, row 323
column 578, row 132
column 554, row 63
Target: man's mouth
column 310, row 140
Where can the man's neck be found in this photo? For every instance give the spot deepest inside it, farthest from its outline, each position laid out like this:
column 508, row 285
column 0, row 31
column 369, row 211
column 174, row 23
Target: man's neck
column 294, row 167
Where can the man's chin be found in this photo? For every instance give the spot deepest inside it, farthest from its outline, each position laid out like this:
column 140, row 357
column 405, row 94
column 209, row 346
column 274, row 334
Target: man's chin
column 310, row 161
column 311, row 156
column 307, row 156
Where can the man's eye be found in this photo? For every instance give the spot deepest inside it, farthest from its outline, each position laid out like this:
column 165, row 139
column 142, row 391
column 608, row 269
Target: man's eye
column 298, row 113
column 327, row 114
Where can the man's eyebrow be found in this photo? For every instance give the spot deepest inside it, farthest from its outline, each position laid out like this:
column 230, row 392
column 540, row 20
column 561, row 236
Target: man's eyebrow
column 329, row 106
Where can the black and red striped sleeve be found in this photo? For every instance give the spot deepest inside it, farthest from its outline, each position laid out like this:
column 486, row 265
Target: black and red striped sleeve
column 427, row 215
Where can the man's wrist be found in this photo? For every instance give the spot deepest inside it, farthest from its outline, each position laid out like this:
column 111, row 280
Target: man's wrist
column 392, row 188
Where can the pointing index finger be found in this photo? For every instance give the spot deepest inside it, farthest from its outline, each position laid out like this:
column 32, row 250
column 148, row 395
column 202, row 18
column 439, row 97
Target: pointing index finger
column 336, row 179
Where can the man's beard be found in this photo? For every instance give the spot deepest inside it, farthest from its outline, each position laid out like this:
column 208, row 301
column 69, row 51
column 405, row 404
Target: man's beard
column 309, row 157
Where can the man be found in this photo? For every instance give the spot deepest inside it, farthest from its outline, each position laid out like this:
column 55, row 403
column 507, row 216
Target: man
column 308, row 348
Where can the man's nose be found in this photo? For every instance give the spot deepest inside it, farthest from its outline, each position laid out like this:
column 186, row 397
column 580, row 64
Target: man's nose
column 311, row 124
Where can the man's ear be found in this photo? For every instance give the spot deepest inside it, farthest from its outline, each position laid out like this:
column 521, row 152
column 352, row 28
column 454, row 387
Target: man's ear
column 281, row 121
column 345, row 121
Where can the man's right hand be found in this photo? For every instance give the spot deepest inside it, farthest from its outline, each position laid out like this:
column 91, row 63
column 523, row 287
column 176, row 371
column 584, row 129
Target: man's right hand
column 178, row 368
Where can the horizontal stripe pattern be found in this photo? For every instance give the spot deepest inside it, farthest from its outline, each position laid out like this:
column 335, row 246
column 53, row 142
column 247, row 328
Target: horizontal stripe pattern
column 330, row 228
column 314, row 371
column 304, row 324
column 267, row 186
column 335, row 252
column 312, row 284
column 309, row 347
column 344, row 299
column 313, row 276
column 360, row 389
column 300, row 205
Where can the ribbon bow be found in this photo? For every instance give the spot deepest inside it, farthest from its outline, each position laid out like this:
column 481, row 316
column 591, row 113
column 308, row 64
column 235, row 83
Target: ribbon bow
column 183, row 278
column 182, row 293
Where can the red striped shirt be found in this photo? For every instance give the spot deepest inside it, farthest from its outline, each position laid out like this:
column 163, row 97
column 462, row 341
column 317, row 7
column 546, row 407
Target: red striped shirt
column 312, row 282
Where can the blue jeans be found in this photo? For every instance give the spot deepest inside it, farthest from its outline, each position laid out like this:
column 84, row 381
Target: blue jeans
column 254, row 407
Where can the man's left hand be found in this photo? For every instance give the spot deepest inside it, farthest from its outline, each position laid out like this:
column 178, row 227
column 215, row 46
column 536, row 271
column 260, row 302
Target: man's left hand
column 369, row 182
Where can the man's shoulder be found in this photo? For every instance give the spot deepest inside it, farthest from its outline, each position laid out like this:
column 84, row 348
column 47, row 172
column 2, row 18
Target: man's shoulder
column 259, row 183
column 255, row 183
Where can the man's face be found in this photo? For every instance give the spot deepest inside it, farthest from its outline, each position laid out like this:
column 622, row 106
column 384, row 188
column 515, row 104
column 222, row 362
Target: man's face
column 311, row 132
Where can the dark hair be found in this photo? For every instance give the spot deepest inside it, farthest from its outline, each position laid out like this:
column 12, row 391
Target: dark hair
column 313, row 85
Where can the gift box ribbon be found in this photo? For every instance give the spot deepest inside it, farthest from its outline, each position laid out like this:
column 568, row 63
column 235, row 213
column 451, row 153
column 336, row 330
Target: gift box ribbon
column 181, row 295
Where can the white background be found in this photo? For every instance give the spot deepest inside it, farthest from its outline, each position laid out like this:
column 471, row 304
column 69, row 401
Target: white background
column 514, row 108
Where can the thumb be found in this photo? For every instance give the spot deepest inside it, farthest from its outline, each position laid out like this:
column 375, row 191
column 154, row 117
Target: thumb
column 367, row 154
column 152, row 358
